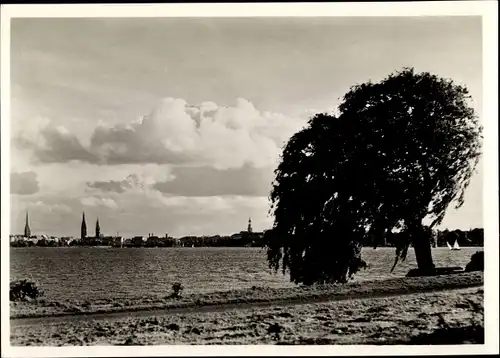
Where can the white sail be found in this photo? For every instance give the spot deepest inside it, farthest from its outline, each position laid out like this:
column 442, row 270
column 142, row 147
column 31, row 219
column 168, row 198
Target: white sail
column 449, row 246
column 456, row 246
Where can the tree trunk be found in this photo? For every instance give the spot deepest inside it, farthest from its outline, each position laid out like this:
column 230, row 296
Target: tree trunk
column 423, row 253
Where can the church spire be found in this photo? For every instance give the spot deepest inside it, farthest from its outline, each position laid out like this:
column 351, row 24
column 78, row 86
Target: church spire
column 27, row 231
column 97, row 229
column 84, row 228
column 249, row 225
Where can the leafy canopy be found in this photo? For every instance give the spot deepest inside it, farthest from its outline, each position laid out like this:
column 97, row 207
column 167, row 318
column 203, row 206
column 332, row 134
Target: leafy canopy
column 399, row 151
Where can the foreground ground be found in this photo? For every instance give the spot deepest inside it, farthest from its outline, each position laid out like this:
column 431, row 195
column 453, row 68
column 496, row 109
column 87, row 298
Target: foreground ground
column 447, row 317
column 21, row 311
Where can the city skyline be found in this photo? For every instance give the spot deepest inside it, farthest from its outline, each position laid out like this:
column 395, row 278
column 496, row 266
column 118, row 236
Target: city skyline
column 249, row 228
column 181, row 133
column 98, row 233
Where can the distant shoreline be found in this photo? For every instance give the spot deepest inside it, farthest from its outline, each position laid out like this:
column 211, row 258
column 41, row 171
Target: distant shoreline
column 464, row 238
column 189, row 247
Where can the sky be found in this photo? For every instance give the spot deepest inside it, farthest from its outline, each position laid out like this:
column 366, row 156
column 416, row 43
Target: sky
column 175, row 125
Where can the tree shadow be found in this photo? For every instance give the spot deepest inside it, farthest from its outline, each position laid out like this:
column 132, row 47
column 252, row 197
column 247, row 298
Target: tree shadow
column 451, row 335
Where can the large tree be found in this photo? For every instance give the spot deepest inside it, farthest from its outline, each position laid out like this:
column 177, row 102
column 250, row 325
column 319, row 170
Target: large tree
column 399, row 152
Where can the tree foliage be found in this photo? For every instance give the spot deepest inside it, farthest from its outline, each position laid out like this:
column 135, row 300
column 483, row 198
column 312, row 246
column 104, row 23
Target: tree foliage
column 399, row 151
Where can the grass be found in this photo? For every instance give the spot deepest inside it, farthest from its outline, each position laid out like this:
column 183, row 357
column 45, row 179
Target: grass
column 411, row 319
column 253, row 295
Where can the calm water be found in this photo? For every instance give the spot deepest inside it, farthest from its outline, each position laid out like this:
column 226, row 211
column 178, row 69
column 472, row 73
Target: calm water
column 94, row 273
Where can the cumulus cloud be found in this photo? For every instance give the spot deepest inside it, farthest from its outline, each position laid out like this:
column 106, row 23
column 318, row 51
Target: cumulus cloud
column 118, row 186
column 176, row 132
column 99, row 201
column 25, row 183
column 53, row 144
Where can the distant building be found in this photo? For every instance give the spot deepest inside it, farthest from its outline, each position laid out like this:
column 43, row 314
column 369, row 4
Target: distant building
column 247, row 238
column 237, row 236
column 118, row 241
column 27, row 230
column 15, row 238
column 107, row 240
column 138, row 241
column 83, row 230
column 177, row 242
column 97, row 229
column 89, row 241
column 153, row 241
column 65, row 240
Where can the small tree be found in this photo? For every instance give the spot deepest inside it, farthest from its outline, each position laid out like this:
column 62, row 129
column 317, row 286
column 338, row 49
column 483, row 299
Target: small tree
column 400, row 151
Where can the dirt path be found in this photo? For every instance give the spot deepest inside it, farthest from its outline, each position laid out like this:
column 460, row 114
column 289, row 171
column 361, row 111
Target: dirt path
column 85, row 317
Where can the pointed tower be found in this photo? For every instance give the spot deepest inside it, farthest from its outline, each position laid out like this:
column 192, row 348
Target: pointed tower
column 27, row 231
column 84, row 228
column 249, row 229
column 97, row 229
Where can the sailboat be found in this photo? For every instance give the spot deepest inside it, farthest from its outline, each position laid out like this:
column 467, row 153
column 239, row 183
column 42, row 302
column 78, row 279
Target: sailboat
column 455, row 246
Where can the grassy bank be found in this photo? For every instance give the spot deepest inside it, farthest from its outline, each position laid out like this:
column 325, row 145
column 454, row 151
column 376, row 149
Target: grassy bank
column 447, row 317
column 42, row 308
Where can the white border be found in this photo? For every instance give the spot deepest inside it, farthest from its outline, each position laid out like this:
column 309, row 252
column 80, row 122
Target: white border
column 489, row 12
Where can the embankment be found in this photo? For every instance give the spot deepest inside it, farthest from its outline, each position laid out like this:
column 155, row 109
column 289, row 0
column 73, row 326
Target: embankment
column 32, row 312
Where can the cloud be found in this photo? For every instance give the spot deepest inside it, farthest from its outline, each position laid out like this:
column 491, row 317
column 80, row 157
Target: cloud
column 42, row 206
column 99, row 201
column 53, row 144
column 111, row 186
column 210, row 205
column 208, row 181
column 175, row 132
column 130, row 182
column 197, row 181
column 25, row 183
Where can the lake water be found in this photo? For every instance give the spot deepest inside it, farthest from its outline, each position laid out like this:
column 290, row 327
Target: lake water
column 93, row 273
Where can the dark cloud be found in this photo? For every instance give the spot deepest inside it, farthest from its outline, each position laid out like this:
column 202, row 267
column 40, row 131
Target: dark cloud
column 24, row 183
column 208, row 181
column 109, row 186
column 58, row 147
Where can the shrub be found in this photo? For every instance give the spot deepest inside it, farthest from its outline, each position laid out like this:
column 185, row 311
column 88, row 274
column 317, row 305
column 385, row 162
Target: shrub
column 177, row 288
column 22, row 289
column 476, row 262
column 173, row 326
